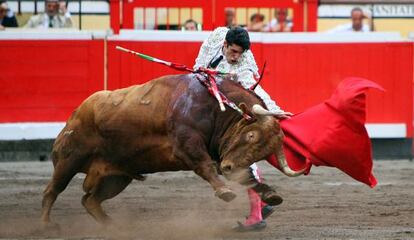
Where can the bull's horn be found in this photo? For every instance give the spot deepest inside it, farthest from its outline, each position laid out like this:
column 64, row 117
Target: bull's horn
column 259, row 110
column 284, row 166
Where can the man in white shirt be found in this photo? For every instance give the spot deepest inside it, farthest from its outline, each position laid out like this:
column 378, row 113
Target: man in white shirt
column 356, row 24
column 280, row 23
column 55, row 16
column 228, row 50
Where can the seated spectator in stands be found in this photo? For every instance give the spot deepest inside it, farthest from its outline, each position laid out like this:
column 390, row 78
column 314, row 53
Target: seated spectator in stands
column 280, row 22
column 256, row 23
column 356, row 24
column 190, row 25
column 230, row 14
column 56, row 16
column 7, row 18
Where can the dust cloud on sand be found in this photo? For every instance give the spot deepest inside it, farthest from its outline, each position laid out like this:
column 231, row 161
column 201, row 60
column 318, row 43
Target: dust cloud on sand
column 179, row 205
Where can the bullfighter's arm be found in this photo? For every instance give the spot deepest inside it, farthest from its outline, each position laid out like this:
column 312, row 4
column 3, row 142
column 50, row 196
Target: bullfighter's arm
column 201, row 60
column 247, row 70
column 246, row 79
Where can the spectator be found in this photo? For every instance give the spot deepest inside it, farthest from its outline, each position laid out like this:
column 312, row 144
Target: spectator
column 256, row 23
column 7, row 18
column 230, row 14
column 190, row 25
column 356, row 24
column 56, row 16
column 280, row 22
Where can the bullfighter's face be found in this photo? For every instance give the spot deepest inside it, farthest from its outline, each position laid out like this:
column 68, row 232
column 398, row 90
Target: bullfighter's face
column 232, row 52
column 247, row 143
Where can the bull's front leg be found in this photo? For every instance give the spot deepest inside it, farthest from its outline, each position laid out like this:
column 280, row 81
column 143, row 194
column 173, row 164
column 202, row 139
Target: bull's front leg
column 208, row 171
column 191, row 150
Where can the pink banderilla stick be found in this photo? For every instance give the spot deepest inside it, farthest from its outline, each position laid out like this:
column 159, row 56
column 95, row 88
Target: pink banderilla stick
column 216, row 93
column 210, row 72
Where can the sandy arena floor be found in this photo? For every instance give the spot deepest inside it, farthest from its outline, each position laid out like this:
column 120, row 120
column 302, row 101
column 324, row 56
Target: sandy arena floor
column 179, row 205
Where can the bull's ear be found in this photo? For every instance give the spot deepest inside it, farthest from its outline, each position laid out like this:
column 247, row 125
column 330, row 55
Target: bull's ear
column 247, row 111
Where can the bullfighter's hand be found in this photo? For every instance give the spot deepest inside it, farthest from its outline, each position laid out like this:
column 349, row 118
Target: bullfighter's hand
column 233, row 76
column 283, row 115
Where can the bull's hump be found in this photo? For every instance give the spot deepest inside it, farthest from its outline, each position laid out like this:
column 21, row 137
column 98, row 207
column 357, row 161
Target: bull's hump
column 194, row 84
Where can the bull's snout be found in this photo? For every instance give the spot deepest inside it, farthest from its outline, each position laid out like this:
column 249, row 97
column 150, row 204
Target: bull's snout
column 226, row 167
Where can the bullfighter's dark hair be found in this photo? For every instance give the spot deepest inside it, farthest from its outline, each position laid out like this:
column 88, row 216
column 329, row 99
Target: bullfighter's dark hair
column 238, row 36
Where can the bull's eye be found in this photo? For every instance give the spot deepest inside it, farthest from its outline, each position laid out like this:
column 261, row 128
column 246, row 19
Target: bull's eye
column 251, row 136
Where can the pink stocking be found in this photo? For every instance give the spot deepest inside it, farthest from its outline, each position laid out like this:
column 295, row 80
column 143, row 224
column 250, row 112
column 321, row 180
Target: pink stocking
column 255, row 202
column 255, row 208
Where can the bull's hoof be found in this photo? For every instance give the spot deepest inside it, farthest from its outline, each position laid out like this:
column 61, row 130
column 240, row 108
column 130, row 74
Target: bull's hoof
column 272, row 198
column 225, row 194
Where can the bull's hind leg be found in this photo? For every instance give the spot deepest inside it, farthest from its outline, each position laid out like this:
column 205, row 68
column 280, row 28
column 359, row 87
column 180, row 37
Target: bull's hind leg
column 62, row 175
column 99, row 188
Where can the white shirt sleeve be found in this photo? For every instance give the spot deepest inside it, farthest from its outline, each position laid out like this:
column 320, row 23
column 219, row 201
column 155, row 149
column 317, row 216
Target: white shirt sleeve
column 201, row 60
column 246, row 78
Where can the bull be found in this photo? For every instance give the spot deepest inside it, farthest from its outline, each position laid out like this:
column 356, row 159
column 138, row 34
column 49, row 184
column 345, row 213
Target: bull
column 168, row 124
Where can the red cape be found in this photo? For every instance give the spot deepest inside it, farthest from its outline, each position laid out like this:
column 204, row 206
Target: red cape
column 332, row 133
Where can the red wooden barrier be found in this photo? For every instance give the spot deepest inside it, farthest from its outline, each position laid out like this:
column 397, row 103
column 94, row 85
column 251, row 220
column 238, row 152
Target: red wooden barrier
column 46, row 80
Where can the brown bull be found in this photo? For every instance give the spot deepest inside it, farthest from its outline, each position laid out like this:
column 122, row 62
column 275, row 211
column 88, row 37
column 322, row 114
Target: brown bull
column 169, row 124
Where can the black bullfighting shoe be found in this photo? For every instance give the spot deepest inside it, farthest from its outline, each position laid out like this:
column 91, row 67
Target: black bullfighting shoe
column 250, row 228
column 267, row 194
